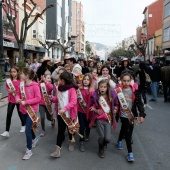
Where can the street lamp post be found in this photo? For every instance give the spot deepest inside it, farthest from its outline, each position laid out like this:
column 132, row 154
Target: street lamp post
column 2, row 61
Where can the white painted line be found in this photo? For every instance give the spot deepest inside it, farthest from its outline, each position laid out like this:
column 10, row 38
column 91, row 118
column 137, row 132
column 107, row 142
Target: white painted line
column 149, row 107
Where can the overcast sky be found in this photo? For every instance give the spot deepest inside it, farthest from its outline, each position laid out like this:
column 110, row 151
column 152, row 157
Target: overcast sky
column 110, row 21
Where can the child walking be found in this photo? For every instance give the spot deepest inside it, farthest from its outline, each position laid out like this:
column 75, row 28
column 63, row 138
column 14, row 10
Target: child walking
column 33, row 97
column 12, row 86
column 42, row 105
column 133, row 100
column 67, row 99
column 84, row 93
column 105, row 105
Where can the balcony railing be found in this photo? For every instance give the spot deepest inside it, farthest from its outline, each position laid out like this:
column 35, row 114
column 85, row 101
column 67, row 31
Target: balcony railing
column 7, row 33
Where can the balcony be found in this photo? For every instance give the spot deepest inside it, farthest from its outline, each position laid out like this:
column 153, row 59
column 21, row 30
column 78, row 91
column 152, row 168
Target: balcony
column 8, row 34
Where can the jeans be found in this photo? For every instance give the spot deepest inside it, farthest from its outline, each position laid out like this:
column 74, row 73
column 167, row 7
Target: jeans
column 10, row 110
column 126, row 130
column 84, row 125
column 154, row 89
column 61, row 131
column 104, row 131
column 43, row 110
column 28, row 130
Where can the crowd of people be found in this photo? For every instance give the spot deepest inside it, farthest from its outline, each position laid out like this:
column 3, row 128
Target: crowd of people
column 85, row 94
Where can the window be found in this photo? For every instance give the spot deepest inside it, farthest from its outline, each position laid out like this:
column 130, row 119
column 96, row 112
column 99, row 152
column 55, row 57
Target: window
column 78, row 11
column 34, row 34
column 166, row 35
column 167, row 10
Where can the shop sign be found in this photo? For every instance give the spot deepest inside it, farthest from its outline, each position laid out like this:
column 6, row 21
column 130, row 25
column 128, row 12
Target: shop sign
column 29, row 47
column 8, row 44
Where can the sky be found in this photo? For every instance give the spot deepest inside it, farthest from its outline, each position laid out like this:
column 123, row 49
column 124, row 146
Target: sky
column 110, row 21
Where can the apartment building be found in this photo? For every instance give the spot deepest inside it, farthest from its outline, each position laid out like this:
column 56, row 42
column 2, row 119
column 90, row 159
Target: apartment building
column 78, row 27
column 58, row 25
column 166, row 29
column 152, row 22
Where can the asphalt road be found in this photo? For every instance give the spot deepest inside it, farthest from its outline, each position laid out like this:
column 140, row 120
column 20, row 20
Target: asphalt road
column 151, row 147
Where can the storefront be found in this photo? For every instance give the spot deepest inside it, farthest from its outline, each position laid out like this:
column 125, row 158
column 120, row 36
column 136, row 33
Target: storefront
column 11, row 50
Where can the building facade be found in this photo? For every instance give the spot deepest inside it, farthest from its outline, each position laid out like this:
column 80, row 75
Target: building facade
column 32, row 48
column 9, row 41
column 58, row 26
column 78, row 27
column 152, row 22
column 166, row 29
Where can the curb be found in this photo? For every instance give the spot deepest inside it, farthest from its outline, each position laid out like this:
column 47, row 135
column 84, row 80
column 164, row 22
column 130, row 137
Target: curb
column 3, row 102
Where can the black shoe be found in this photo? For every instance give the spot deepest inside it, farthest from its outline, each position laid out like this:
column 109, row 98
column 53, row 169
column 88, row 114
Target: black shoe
column 101, row 151
column 82, row 148
column 152, row 100
column 165, row 100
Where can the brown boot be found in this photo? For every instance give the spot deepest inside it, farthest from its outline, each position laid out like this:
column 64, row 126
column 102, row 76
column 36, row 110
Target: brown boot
column 71, row 146
column 56, row 153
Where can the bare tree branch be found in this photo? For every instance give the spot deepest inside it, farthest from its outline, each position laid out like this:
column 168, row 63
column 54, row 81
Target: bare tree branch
column 39, row 15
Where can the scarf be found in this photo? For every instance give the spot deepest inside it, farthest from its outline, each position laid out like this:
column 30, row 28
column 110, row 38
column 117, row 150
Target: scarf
column 62, row 88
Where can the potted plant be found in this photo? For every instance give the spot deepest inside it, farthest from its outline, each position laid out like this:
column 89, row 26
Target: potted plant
column 21, row 65
column 1, row 81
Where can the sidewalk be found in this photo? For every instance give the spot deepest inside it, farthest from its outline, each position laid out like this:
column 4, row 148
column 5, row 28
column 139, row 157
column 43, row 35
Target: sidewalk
column 3, row 102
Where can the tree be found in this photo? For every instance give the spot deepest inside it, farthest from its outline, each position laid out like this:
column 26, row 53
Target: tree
column 88, row 48
column 122, row 52
column 10, row 8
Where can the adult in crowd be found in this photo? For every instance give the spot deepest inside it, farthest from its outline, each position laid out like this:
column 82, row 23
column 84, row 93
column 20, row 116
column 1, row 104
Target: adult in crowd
column 76, row 69
column 84, row 66
column 7, row 65
column 45, row 68
column 155, row 75
column 106, row 74
column 57, row 62
column 165, row 77
column 90, row 64
column 124, row 65
column 99, row 67
column 135, row 67
column 113, row 67
column 142, row 81
column 35, row 65
column 28, row 63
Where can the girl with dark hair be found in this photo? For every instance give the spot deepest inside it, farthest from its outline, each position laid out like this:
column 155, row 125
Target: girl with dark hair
column 106, row 74
column 45, row 68
column 12, row 86
column 67, row 99
column 104, row 105
column 30, row 89
column 99, row 66
column 131, row 100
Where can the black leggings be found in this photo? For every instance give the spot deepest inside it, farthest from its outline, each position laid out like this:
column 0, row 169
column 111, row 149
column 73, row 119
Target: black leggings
column 126, row 130
column 61, row 131
column 9, row 115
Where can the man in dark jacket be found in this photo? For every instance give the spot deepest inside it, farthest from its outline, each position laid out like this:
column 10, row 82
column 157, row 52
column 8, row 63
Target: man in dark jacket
column 165, row 77
column 155, row 75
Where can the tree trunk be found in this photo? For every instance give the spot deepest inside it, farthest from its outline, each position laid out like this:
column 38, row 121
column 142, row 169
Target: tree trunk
column 21, row 52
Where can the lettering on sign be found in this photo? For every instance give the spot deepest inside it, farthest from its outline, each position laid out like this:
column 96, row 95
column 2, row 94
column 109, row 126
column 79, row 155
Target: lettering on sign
column 8, row 44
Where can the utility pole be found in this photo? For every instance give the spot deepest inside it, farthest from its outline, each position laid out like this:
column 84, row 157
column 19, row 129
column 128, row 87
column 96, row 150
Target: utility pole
column 2, row 60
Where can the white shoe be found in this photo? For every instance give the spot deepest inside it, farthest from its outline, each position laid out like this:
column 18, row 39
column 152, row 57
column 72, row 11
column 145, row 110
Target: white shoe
column 22, row 129
column 34, row 142
column 145, row 105
column 5, row 134
column 27, row 155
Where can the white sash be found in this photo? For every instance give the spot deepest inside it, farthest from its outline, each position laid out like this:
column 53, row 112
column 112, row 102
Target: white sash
column 81, row 101
column 46, row 99
column 123, row 103
column 105, row 108
column 11, row 86
column 34, row 117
